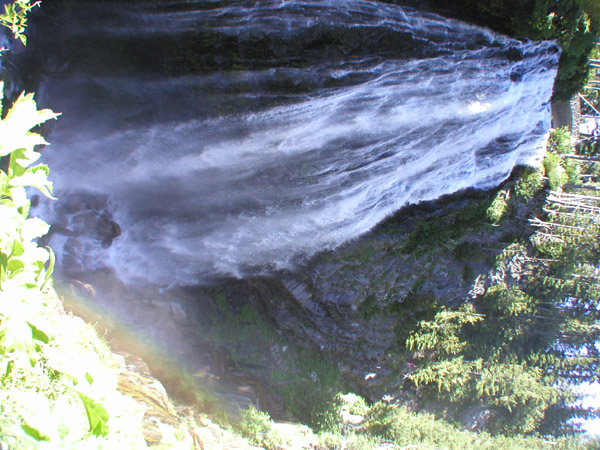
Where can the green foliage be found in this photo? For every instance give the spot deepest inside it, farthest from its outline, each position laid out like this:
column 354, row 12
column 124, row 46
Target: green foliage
column 498, row 207
column 96, row 414
column 368, row 307
column 55, row 388
column 560, row 171
column 356, row 404
column 58, row 383
column 257, row 427
column 24, row 266
column 330, row 416
column 14, row 18
column 451, row 377
column 554, row 171
column 351, row 441
column 416, row 306
column 436, row 231
column 441, row 336
column 529, row 184
column 518, row 393
column 560, row 141
column 407, row 429
column 310, row 390
column 327, row 417
column 508, row 301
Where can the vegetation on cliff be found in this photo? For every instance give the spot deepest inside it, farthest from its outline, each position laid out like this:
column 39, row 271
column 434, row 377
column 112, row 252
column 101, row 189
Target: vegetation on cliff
column 521, row 346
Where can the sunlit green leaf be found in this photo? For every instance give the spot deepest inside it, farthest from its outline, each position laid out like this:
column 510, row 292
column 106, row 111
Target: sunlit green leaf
column 3, row 267
column 24, row 115
column 34, row 433
column 35, row 255
column 35, row 177
column 9, row 368
column 34, row 228
column 20, row 159
column 38, row 334
column 50, row 269
column 3, row 181
column 9, row 226
column 97, row 416
column 15, row 265
column 15, row 336
column 20, row 200
column 18, row 249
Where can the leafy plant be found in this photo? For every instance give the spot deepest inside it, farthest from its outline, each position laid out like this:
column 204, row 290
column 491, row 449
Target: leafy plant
column 554, row 171
column 560, row 141
column 529, row 184
column 257, row 427
column 14, row 18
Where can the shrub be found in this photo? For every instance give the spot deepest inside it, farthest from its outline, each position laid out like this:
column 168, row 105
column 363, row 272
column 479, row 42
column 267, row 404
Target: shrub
column 407, row 429
column 529, row 184
column 554, row 171
column 257, row 427
column 560, row 141
column 351, row 441
column 498, row 207
column 572, row 171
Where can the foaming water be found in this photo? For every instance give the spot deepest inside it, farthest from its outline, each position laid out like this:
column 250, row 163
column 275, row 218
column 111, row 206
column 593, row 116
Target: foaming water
column 243, row 170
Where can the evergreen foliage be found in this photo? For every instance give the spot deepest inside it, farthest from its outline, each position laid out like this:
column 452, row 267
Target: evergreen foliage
column 519, row 348
column 529, row 184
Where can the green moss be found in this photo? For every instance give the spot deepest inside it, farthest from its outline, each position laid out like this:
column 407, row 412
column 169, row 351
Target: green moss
column 362, row 254
column 310, row 386
column 368, row 307
column 433, row 232
column 498, row 207
column 467, row 252
column 414, row 308
column 468, row 274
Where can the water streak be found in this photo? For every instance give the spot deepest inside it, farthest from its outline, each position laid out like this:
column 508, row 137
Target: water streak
column 237, row 170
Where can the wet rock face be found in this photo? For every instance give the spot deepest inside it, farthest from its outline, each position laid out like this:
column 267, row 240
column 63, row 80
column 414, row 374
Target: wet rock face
column 81, row 225
column 358, row 304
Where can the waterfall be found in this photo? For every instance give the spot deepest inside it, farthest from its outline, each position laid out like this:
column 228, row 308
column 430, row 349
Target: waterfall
column 236, row 138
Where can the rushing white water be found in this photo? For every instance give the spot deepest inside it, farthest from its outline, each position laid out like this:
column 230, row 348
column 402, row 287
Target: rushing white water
column 231, row 172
